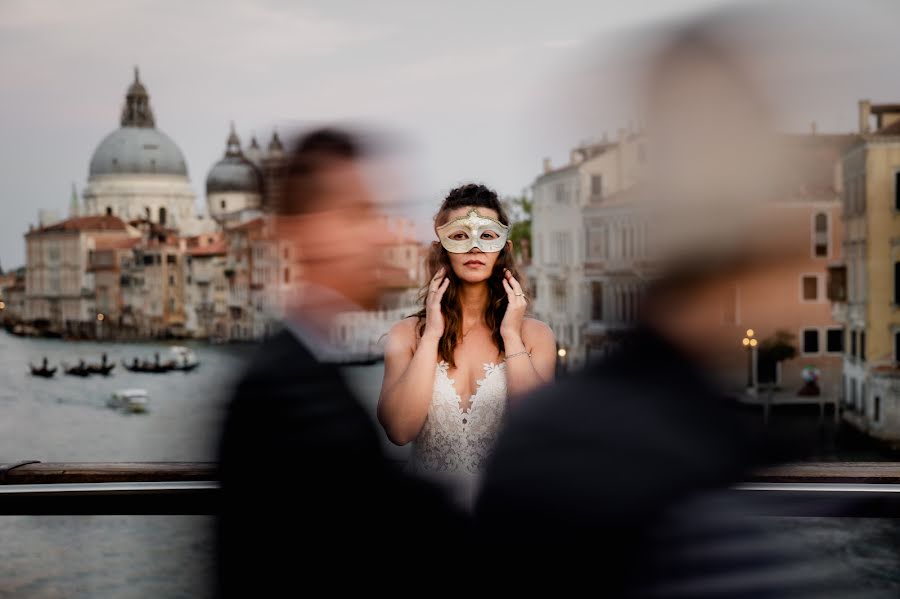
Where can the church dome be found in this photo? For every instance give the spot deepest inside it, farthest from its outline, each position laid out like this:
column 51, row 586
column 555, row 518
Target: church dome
column 137, row 147
column 234, row 172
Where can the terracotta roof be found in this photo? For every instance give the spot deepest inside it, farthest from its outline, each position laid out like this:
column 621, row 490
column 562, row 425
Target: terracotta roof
column 116, row 244
column 220, row 247
column 85, row 223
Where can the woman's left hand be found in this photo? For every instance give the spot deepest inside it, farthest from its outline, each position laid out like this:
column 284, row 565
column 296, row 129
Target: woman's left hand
column 511, row 327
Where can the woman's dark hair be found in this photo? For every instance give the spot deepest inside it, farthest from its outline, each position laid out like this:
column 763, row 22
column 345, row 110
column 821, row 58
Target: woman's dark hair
column 477, row 196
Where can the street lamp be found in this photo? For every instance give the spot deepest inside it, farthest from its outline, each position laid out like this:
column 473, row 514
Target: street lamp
column 2, row 306
column 561, row 363
column 750, row 343
column 100, row 319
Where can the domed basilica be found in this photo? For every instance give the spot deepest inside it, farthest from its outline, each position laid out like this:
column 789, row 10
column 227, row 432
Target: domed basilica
column 138, row 172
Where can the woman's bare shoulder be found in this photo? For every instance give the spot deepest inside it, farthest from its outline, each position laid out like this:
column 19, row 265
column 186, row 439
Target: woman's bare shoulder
column 404, row 331
column 535, row 327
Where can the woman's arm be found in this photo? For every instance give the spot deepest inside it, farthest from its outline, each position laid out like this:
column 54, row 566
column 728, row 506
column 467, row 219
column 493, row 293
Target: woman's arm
column 524, row 373
column 408, row 382
column 409, row 369
column 521, row 337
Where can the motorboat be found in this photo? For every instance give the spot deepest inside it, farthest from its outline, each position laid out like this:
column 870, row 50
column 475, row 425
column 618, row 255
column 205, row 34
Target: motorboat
column 134, row 401
column 184, row 358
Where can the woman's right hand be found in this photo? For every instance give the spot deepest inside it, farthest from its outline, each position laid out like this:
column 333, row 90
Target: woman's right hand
column 434, row 319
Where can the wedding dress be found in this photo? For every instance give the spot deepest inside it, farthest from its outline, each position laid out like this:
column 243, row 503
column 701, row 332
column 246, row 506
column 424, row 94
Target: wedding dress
column 454, row 444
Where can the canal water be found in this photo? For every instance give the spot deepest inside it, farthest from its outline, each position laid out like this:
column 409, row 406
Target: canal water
column 65, row 419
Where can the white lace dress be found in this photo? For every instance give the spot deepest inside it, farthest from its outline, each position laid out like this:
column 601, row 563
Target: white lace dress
column 453, row 446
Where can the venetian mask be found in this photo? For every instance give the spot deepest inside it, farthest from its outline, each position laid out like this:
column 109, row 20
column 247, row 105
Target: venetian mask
column 473, row 230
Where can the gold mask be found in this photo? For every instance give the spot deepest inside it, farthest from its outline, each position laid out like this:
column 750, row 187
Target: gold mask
column 473, row 230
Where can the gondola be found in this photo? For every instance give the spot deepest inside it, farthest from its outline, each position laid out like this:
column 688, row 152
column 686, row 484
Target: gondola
column 150, row 367
column 42, row 371
column 103, row 369
column 80, row 370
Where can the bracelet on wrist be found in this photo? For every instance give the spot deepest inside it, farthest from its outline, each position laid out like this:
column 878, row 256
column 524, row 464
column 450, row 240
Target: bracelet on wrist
column 519, row 353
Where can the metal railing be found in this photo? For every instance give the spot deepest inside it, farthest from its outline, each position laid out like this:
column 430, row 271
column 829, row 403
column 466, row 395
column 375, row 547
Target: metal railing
column 823, row 489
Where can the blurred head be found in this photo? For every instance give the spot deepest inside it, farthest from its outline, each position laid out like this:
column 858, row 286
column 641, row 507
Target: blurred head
column 327, row 210
column 470, row 218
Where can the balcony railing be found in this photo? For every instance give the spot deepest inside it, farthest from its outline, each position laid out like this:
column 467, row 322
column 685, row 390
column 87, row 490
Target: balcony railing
column 857, row 489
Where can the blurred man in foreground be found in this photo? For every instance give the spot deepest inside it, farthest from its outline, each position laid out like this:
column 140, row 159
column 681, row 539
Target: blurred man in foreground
column 617, row 479
column 307, row 489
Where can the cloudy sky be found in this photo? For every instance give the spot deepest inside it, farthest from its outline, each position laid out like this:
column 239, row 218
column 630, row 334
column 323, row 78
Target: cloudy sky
column 482, row 90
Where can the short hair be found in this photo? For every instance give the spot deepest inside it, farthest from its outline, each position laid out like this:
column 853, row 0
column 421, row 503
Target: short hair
column 314, row 152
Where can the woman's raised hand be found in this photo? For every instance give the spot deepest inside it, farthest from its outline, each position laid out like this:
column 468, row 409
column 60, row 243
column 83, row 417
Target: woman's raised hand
column 434, row 319
column 511, row 327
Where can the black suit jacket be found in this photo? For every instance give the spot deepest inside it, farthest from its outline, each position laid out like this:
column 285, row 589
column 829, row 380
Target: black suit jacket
column 307, row 490
column 615, row 480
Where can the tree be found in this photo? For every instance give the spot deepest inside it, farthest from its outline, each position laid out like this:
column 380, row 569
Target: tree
column 773, row 350
column 519, row 210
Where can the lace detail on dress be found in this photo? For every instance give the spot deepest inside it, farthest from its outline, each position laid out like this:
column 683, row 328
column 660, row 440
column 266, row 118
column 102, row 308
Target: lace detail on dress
column 454, row 441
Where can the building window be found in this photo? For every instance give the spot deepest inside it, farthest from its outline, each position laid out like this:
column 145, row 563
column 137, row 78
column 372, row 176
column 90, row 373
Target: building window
column 222, row 203
column 820, row 235
column 597, row 243
column 189, row 279
column 897, row 283
column 897, row 346
column 876, row 408
column 810, row 288
column 559, row 296
column 561, row 250
column 597, row 186
column 853, row 393
column 171, row 259
column 171, row 279
column 834, row 341
column 897, row 190
column 596, row 300
column 862, row 346
column 560, row 193
column 853, row 344
column 810, row 341
column 109, row 211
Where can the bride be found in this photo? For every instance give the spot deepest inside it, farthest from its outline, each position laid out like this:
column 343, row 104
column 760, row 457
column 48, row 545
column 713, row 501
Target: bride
column 450, row 368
